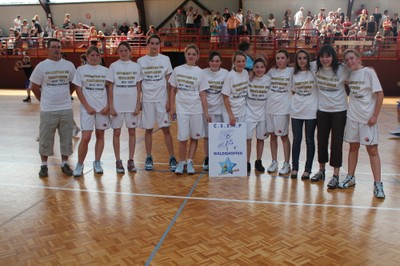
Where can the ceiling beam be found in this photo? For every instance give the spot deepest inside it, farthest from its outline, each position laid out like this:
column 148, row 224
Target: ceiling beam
column 46, row 7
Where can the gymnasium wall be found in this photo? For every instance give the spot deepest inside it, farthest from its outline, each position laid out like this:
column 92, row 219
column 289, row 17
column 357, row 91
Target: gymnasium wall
column 157, row 10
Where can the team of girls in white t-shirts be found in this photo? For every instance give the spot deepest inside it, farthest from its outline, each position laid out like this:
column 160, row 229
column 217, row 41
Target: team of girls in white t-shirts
column 310, row 93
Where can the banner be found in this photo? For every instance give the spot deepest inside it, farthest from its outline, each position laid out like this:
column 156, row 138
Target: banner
column 227, row 150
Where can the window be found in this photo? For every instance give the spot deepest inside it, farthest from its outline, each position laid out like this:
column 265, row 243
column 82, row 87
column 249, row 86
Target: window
column 18, row 2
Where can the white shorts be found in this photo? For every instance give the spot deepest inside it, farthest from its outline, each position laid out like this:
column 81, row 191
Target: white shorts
column 240, row 119
column 131, row 121
column 364, row 134
column 214, row 119
column 153, row 112
column 97, row 121
column 278, row 124
column 190, row 126
column 259, row 127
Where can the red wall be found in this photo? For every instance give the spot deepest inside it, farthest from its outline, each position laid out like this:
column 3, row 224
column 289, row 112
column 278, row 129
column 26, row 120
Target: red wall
column 388, row 70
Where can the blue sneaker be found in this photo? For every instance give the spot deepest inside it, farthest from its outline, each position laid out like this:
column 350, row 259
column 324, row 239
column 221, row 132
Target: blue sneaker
column 148, row 165
column 173, row 164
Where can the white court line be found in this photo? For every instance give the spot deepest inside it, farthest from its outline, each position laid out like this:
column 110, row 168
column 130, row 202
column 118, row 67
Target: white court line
column 300, row 204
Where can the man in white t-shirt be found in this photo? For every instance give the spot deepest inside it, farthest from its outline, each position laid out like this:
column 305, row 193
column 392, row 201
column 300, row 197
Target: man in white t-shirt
column 299, row 19
column 156, row 70
column 17, row 23
column 51, row 84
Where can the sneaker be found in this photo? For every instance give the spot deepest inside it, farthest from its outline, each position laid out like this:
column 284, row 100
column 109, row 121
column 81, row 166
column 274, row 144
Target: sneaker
column 334, row 182
column 44, row 171
column 66, row 169
column 273, row 167
column 172, row 164
column 78, row 171
column 396, row 132
column 205, row 164
column 27, row 100
column 320, row 175
column 119, row 167
column 248, row 167
column 258, row 166
column 305, row 175
column 180, row 167
column 378, row 190
column 97, row 168
column 131, row 166
column 285, row 169
column 189, row 168
column 148, row 164
column 293, row 174
column 76, row 131
column 347, row 182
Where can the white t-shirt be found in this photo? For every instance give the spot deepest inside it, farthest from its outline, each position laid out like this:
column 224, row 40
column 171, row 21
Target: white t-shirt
column 125, row 75
column 54, row 77
column 187, row 80
column 256, row 100
column 92, row 80
column 298, row 18
column 331, row 91
column 153, row 70
column 363, row 83
column 305, row 100
column 280, row 95
column 235, row 86
column 212, row 82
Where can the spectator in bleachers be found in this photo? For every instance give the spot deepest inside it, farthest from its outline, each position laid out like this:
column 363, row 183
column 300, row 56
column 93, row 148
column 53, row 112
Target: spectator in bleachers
column 395, row 22
column 377, row 17
column 240, row 18
column 286, row 19
column 258, row 23
column 360, row 11
column 347, row 24
column 387, row 31
column 123, row 28
column 67, row 21
column 190, row 18
column 48, row 31
column 320, row 22
column 206, row 22
column 131, row 34
column 271, row 23
column 362, row 22
column 197, row 19
column 93, row 36
column 250, row 21
column 105, row 29
column 17, row 23
column 180, row 19
column 384, row 16
column 372, row 26
column 222, row 31
column 226, row 14
column 299, row 18
column 115, row 29
column 152, row 31
column 341, row 15
column 307, row 30
column 364, row 14
column 25, row 30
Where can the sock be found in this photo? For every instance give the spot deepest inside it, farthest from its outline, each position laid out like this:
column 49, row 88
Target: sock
column 64, row 163
column 44, row 163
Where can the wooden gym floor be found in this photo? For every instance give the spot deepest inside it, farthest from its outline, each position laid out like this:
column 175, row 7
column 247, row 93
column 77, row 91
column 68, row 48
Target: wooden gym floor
column 158, row 218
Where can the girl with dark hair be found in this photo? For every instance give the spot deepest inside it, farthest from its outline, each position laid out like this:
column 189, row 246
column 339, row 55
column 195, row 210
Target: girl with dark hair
column 124, row 94
column 278, row 109
column 256, row 100
column 303, row 111
column 331, row 115
column 212, row 80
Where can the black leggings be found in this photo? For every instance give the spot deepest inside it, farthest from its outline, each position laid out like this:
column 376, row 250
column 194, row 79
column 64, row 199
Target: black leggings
column 328, row 122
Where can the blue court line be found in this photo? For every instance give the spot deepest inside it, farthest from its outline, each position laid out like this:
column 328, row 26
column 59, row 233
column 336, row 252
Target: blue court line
column 172, row 222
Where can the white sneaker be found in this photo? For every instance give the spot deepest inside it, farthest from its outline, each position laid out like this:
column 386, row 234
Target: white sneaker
column 189, row 168
column 285, row 170
column 378, row 190
column 78, row 171
column 76, row 131
column 180, row 167
column 347, row 182
column 97, row 167
column 273, row 167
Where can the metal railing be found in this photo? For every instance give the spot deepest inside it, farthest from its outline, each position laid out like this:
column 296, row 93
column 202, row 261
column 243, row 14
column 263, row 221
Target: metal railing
column 175, row 40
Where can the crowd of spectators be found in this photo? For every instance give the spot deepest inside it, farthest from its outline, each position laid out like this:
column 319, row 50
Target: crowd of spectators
column 223, row 27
